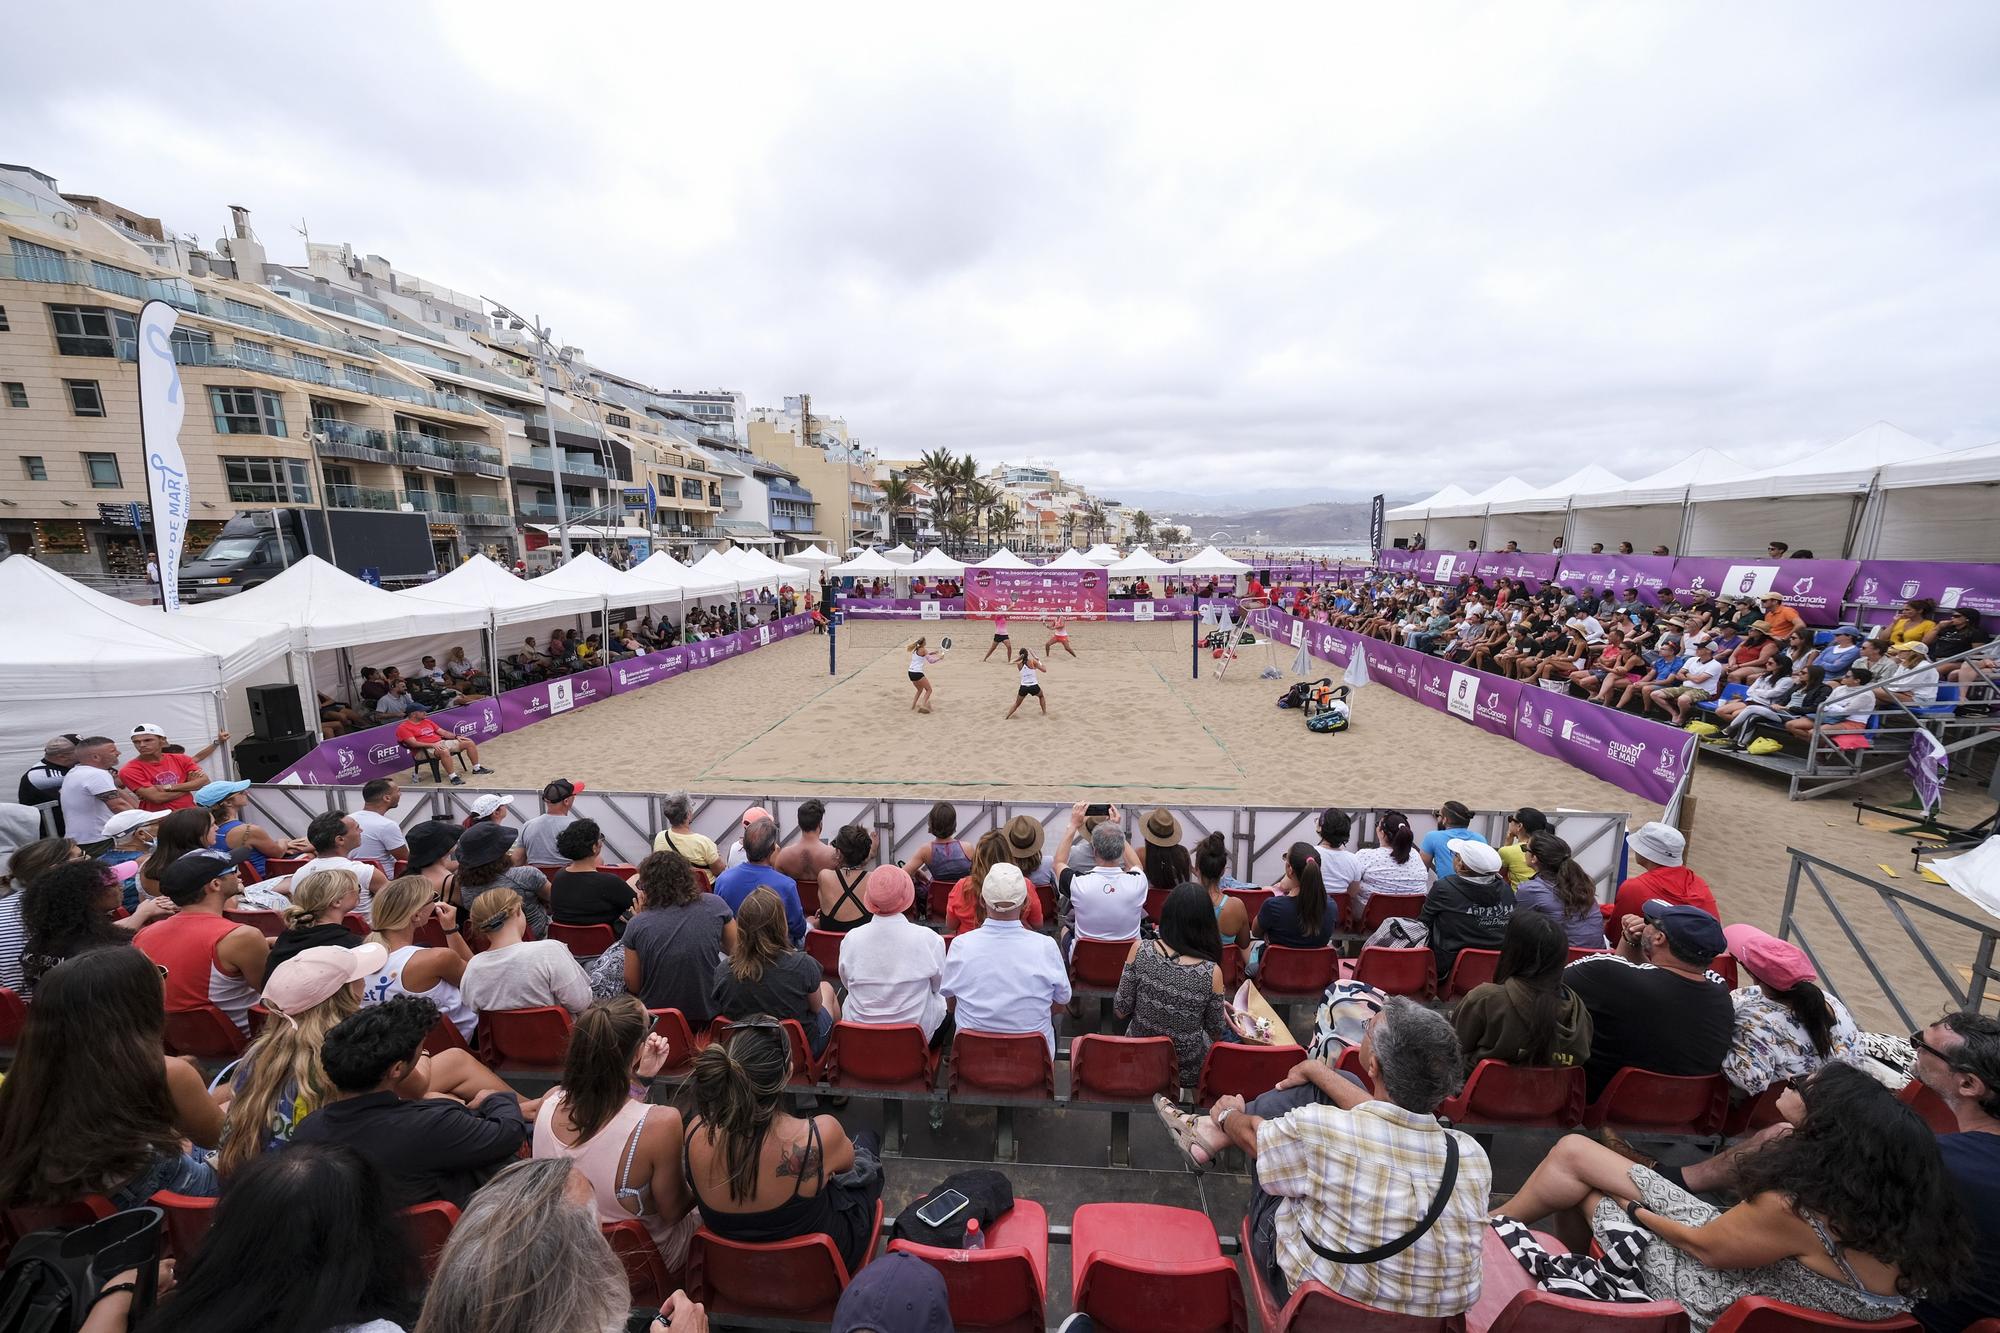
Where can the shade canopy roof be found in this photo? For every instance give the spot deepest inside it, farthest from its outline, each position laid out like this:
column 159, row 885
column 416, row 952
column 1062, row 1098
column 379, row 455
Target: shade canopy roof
column 1557, row 495
column 1073, row 559
column 1500, row 492
column 935, row 561
column 324, row 606
column 587, row 574
column 812, row 556
column 663, row 569
column 1102, row 554
column 764, row 566
column 867, row 563
column 1208, row 560
column 479, row 584
column 1981, row 463
column 1453, row 494
column 1003, row 559
column 1141, row 561
column 1667, row 486
column 1844, row 466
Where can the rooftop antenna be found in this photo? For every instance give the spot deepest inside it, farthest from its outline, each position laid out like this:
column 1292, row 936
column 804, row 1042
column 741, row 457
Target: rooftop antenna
column 306, row 236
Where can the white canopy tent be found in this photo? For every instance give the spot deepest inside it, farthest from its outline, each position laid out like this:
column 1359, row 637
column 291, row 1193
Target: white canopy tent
column 1072, row 559
column 763, row 565
column 900, row 554
column 587, row 575
column 717, row 572
column 812, row 557
column 1648, row 512
column 935, row 561
column 481, row 584
column 1536, row 519
column 868, row 565
column 95, row 665
column 1943, row 507
column 1815, row 502
column 1408, row 520
column 1451, row 526
column 1209, row 561
column 1140, row 563
column 1002, row 559
column 1102, row 554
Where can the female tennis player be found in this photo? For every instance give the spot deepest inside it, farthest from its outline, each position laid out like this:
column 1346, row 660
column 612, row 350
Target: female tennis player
column 1031, row 684
column 920, row 658
column 1058, row 634
column 1000, row 643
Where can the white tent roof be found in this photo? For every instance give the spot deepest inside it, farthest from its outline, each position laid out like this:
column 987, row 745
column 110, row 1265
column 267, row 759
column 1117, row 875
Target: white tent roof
column 868, row 562
column 588, row 575
column 326, row 607
column 1141, row 561
column 663, row 569
column 1556, row 495
column 1452, row 494
column 716, row 573
column 899, row 554
column 1981, row 463
column 1102, row 554
column 813, row 557
column 1072, row 559
column 480, row 584
column 1003, row 559
column 935, row 561
column 1500, row 492
column 1669, row 485
column 1844, row 466
column 1208, row 560
column 764, row 566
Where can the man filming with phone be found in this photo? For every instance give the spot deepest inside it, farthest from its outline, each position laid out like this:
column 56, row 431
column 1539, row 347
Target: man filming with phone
column 1108, row 901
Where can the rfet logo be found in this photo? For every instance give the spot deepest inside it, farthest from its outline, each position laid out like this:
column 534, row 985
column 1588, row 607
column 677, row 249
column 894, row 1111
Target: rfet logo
column 388, row 753
column 1664, row 766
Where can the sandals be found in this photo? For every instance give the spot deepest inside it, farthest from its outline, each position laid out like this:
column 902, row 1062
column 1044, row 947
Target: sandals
column 1186, row 1131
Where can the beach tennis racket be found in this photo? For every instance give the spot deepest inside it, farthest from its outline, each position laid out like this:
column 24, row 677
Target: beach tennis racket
column 945, row 643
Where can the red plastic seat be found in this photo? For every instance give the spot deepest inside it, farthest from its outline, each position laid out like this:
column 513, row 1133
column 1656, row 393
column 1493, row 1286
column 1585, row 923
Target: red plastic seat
column 681, row 1044
column 357, row 925
column 1576, row 953
column 257, row 1018
column 1929, row 1105
column 1472, row 967
column 644, row 1268
column 1509, row 1302
column 1097, row 964
column 1246, row 1070
column 27, row 1218
column 805, row 1069
column 276, row 866
column 1752, row 1113
column 430, row 1227
column 824, row 946
column 1296, row 974
column 891, row 1057
column 1725, row 967
column 1013, row 1063
column 1005, row 1285
column 188, row 1220
column 1317, row 1308
column 1382, row 906
column 13, row 1016
column 1147, row 1268
column 1156, row 902
column 203, row 1034
column 269, row 924
column 1761, row 1314
column 798, row 1279
column 1639, row 1099
column 1498, row 1093
column 1349, row 1062
column 1411, row 972
column 535, row 1038
column 1122, row 1069
column 625, row 873
column 431, row 935
column 1253, row 900
column 585, row 942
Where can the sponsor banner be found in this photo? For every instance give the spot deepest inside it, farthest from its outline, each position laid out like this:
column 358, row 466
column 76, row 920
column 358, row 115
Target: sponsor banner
column 161, row 410
column 1813, row 588
column 1647, row 573
column 1486, row 701
column 1028, row 592
column 548, row 698
column 1533, row 570
column 362, row 756
column 1893, row 582
column 1642, row 757
column 647, row 668
column 1398, row 562
column 1375, row 515
column 900, row 603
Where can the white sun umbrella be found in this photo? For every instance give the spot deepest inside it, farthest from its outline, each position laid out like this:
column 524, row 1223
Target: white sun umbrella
column 1072, row 559
column 935, row 561
column 1003, row 559
column 1106, row 554
column 1141, row 562
column 812, row 557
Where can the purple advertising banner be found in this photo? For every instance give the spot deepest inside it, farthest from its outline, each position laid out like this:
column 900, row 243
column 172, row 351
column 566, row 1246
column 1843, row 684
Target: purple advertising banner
column 1647, row 573
column 1893, row 582
column 1813, row 588
column 360, row 756
column 545, row 699
column 1533, row 570
column 1031, row 591
column 900, row 603
column 648, row 668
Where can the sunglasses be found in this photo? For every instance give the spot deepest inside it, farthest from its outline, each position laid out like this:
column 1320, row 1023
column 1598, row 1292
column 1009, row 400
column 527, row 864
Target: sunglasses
column 1917, row 1040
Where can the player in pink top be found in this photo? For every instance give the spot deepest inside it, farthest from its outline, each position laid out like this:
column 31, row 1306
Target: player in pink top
column 1000, row 644
column 1059, row 635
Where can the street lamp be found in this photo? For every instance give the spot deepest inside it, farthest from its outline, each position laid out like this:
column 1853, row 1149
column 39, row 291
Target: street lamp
column 545, row 367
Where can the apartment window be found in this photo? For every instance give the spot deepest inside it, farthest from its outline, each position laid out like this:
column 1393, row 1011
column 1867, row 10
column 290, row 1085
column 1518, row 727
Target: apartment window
column 192, row 346
column 103, row 471
column 85, row 398
column 267, row 480
column 690, row 488
column 5, row 327
column 17, row 394
column 33, row 468
column 38, row 263
column 247, row 412
column 618, row 419
column 243, row 313
column 89, row 330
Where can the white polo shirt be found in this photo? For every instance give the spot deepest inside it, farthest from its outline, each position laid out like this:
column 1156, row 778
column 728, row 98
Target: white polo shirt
column 892, row 968
column 1005, row 977
column 1109, row 903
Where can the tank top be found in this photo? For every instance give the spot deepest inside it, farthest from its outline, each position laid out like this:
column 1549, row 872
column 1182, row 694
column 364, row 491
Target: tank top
column 917, row 663
column 388, row 984
column 1000, row 624
column 1028, row 676
column 847, row 895
column 949, row 864
column 606, row 1160
column 256, row 858
column 800, row 1215
column 184, row 944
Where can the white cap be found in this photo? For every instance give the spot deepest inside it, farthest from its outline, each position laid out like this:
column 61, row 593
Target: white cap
column 482, row 806
column 149, row 729
column 1471, row 854
column 125, row 821
column 1005, row 887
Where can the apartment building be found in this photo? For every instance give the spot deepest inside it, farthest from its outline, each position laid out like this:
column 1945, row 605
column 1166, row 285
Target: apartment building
column 829, row 462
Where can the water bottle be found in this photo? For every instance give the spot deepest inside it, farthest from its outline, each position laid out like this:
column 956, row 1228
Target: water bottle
column 975, row 1239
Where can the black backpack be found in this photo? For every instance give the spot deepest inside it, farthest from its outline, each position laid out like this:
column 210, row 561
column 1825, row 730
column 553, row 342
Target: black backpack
column 53, row 1277
column 990, row 1194
column 1296, row 696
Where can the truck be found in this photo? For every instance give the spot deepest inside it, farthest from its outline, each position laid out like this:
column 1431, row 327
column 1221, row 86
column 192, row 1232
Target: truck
column 389, row 548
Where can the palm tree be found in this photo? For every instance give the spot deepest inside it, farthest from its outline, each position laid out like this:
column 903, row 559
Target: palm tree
column 1093, row 520
column 1142, row 528
column 979, row 500
column 938, row 470
column 897, row 498
column 1003, row 522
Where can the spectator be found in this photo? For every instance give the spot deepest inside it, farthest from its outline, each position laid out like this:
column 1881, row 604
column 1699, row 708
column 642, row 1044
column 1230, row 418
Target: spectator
column 1915, row 681
column 598, row 1117
column 42, row 784
column 114, row 1123
column 1780, row 621
column 1786, row 1027
column 316, row 916
column 331, row 837
column 396, row 703
column 158, row 779
column 1561, row 889
column 674, row 938
column 1298, row 914
column 734, row 885
column 1337, row 865
column 1025, row 835
column 427, row 1147
column 753, row 815
column 1390, row 867
column 1848, row 708
column 426, row 972
column 131, row 833
column 1522, row 825
column 1808, row 694
column 1857, row 1186
column 1958, row 1058
column 1915, row 623
column 27, row 863
column 516, row 972
column 1696, row 681
column 489, row 807
column 381, row 843
column 425, row 740
column 226, row 801
column 1526, row 1015
column 583, row 893
column 1654, row 1004
column 1172, row 984
column 1841, row 653
column 178, row 833
column 815, row 1182
column 965, row 909
column 1659, row 849
column 944, row 859
column 1211, row 867
column 892, row 967
column 764, row 974
column 841, row 905
column 1337, row 1171
column 809, row 854
column 1467, row 909
column 538, row 835
column 900, row 1293
column 1108, row 901
column 1003, row 977
column 69, row 910
column 487, row 858
column 1165, row 863
column 90, row 793
column 679, row 836
column 209, row 960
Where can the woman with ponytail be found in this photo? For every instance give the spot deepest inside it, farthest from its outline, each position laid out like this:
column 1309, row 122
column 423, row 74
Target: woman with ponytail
column 321, row 900
column 599, row 1118
column 1390, row 866
column 759, row 1173
column 1211, row 865
column 1560, row 888
column 1786, row 1026
column 1298, row 914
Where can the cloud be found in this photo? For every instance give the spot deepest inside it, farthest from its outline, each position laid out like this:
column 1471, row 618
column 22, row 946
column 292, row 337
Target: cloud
column 1164, row 247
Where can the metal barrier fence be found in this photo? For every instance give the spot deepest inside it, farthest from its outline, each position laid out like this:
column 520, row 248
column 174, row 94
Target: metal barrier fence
column 1257, row 836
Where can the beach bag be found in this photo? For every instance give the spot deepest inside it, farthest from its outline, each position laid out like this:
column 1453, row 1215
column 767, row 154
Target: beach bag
column 1400, row 932
column 53, row 1277
column 1333, row 717
column 1342, row 1019
column 1614, row 1278
column 1702, row 728
column 1764, row 745
column 1295, row 697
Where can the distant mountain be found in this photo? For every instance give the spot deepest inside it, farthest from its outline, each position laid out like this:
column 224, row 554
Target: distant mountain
column 1326, row 522
column 1239, row 502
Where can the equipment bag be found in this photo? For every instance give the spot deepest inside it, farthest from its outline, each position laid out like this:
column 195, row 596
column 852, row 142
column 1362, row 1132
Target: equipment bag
column 53, row 1277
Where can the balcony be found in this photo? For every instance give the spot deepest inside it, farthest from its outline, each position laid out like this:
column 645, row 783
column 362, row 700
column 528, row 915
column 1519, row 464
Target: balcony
column 729, row 496
column 421, row 356
column 477, row 510
column 307, row 371
column 572, row 464
column 439, row 454
column 361, row 497
column 785, row 490
column 343, row 439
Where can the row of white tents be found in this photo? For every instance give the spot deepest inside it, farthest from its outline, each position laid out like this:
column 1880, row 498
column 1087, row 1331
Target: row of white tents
column 1140, row 563
column 1881, row 493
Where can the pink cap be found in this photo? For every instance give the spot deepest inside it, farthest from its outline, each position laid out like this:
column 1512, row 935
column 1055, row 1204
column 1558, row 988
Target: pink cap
column 1767, row 958
column 312, row 976
column 755, row 813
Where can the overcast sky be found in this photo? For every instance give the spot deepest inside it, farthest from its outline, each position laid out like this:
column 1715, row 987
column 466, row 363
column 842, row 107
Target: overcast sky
column 1159, row 248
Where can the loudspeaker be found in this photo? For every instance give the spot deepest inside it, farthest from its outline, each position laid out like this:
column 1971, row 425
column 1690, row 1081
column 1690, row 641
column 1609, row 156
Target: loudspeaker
column 261, row 758
column 274, row 710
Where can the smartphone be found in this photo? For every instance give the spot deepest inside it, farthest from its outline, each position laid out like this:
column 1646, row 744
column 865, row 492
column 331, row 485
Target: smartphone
column 943, row 1208
column 1096, row 811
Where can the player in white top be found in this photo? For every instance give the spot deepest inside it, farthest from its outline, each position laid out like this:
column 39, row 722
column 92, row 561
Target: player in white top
column 1058, row 634
column 920, row 658
column 1030, row 683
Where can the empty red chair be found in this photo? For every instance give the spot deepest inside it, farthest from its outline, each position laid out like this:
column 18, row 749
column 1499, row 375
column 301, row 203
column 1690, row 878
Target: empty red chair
column 1928, row 1105
column 1246, row 1070
column 1761, row 1314
column 1411, row 972
column 799, row 1279
column 891, row 1057
column 1639, row 1099
column 1753, row 1113
column 1232, row 966
column 188, row 1220
column 1498, row 1093
column 1122, row 1069
column 203, row 1034
column 1317, row 1308
column 1046, row 894
column 805, row 1069
column 1156, row 901
column 1291, row 974
column 1012, row 1063
column 430, row 1227
column 824, row 946
column 1253, row 900
column 681, row 1045
column 1097, row 964
column 1509, row 1301
column 1146, row 1268
column 644, row 1268
column 626, row 873
column 585, row 942
column 444, row 1036
column 1005, row 1285
column 1472, row 967
column 1382, row 906
column 13, row 1016
column 269, row 924
column 535, row 1038
column 275, row 866
column 431, row 935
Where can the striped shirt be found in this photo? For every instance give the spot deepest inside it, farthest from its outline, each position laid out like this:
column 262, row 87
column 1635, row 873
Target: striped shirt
column 1357, row 1179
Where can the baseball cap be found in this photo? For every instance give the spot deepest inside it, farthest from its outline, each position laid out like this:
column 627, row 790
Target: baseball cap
column 560, row 790
column 1005, row 887
column 1851, row 631
column 430, row 842
column 898, row 1293
column 149, row 729
column 125, row 821
column 1767, row 958
column 219, row 791
column 1662, row 844
column 1689, row 930
column 755, row 813
column 1474, row 855
column 482, row 806
column 888, row 891
column 192, row 870
column 312, row 976
column 1913, row 646
column 484, row 843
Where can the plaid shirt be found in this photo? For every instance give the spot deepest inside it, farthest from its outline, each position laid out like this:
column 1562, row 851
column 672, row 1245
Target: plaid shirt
column 1357, row 1179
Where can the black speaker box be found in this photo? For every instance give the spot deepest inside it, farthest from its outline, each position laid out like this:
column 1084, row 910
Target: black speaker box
column 274, row 710
column 261, row 758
